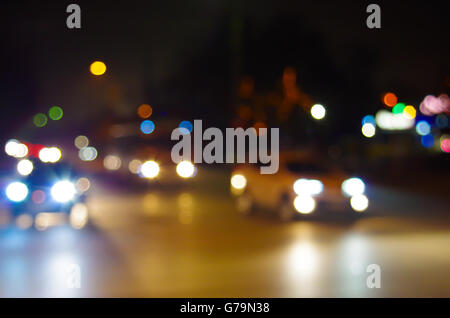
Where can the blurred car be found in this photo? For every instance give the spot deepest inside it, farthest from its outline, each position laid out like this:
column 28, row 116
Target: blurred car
column 303, row 185
column 141, row 159
column 159, row 167
column 45, row 194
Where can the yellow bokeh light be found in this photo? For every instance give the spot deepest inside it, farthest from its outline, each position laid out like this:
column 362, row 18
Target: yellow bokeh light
column 98, row 68
column 238, row 181
column 409, row 112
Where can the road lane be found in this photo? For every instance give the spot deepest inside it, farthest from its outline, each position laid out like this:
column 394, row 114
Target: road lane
column 192, row 243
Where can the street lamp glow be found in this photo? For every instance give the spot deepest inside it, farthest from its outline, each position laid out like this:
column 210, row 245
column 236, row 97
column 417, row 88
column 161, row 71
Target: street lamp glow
column 318, row 111
column 98, row 68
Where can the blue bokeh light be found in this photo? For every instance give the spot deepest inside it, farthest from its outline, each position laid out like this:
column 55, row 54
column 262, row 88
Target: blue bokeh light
column 423, row 128
column 368, row 119
column 428, row 141
column 147, row 126
column 185, row 127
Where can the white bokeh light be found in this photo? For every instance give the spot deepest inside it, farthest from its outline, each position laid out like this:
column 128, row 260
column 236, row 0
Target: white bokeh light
column 17, row 191
column 304, row 204
column 63, row 191
column 238, row 181
column 318, row 111
column 150, row 169
column 25, row 167
column 185, row 169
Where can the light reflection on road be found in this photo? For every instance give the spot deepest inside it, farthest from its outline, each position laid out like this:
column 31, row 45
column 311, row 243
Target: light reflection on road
column 194, row 244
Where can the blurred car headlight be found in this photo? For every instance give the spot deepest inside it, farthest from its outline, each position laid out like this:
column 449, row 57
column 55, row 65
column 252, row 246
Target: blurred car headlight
column 17, row 191
column 50, row 155
column 16, row 149
column 304, row 204
column 238, row 181
column 308, row 187
column 149, row 169
column 63, row 191
column 359, row 202
column 185, row 169
column 25, row 167
column 353, row 186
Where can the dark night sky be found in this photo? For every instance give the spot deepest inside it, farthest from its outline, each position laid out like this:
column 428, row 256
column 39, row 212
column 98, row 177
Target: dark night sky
column 180, row 56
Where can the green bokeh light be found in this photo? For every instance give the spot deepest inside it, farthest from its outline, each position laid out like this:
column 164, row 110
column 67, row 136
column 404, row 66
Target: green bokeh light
column 398, row 109
column 40, row 120
column 55, row 113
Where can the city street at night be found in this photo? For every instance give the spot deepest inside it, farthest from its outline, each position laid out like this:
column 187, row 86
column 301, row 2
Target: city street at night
column 224, row 156
column 180, row 244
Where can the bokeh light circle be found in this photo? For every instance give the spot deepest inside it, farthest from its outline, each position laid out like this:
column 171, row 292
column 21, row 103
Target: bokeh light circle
column 390, row 99
column 304, row 204
column 399, row 108
column 145, row 111
column 98, row 68
column 25, row 167
column 55, row 113
column 318, row 111
column 186, row 127
column 445, row 145
column 368, row 130
column 238, row 181
column 185, row 169
column 423, row 128
column 81, row 142
column 147, row 126
column 88, row 154
column 368, row 119
column 40, row 120
column 409, row 112
column 427, row 141
column 149, row 169
column 112, row 162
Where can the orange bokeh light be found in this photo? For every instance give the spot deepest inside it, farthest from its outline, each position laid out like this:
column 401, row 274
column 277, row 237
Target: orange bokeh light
column 145, row 111
column 389, row 99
